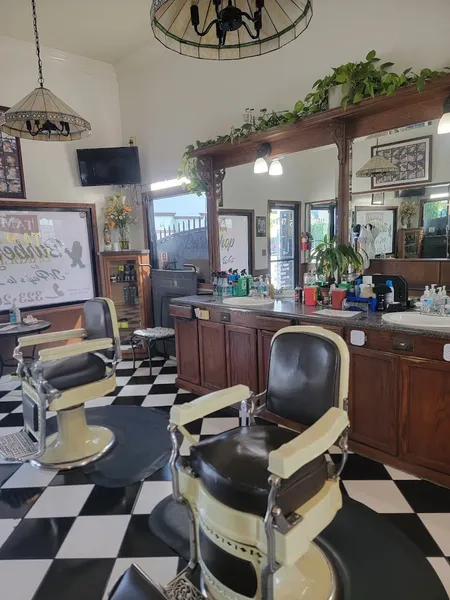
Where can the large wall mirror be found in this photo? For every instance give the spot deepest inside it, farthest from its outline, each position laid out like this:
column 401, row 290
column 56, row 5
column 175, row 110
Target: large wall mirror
column 301, row 199
column 404, row 215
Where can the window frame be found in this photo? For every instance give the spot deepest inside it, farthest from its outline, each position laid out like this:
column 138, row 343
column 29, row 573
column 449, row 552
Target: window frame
column 332, row 206
column 288, row 205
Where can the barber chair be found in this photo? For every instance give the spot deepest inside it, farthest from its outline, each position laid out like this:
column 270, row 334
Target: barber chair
column 258, row 495
column 63, row 379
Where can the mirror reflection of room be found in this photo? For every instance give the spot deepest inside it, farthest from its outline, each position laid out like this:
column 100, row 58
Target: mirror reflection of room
column 404, row 214
column 300, row 200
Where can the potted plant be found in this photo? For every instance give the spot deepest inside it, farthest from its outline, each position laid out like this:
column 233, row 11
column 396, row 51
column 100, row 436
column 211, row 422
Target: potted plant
column 118, row 215
column 334, row 260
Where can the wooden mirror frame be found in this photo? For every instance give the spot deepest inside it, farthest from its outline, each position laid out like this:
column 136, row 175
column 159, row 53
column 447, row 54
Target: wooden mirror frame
column 339, row 126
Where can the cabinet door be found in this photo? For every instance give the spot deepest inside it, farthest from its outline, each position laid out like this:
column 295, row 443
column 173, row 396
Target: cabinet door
column 374, row 399
column 264, row 340
column 186, row 339
column 211, row 338
column 242, row 362
column 425, row 413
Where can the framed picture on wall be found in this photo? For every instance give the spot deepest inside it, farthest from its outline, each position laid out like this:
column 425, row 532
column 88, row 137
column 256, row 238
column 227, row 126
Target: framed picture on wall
column 384, row 219
column 378, row 199
column 413, row 159
column 261, row 226
column 12, row 184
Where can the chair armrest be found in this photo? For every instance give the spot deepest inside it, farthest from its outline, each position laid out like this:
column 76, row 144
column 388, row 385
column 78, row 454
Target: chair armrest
column 205, row 405
column 308, row 445
column 45, row 338
column 75, row 349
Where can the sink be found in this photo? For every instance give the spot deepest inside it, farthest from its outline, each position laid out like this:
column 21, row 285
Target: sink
column 247, row 301
column 409, row 319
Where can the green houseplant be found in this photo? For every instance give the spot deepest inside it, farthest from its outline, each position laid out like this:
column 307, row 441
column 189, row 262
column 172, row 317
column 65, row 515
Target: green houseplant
column 334, row 260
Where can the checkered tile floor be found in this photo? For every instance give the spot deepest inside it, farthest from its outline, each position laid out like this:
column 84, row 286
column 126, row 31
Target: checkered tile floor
column 63, row 538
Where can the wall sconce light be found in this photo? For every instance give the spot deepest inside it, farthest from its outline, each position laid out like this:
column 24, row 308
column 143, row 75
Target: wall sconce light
column 261, row 165
column 276, row 168
column 444, row 122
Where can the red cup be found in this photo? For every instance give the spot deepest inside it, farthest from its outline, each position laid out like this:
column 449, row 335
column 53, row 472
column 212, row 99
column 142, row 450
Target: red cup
column 337, row 297
column 310, row 295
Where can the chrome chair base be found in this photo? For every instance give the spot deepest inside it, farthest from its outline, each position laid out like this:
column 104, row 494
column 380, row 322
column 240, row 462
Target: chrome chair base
column 99, row 442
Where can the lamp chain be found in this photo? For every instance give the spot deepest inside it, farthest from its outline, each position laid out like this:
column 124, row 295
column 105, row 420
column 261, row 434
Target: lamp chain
column 36, row 39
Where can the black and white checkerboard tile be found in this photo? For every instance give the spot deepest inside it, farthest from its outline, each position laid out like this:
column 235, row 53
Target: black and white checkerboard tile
column 63, row 538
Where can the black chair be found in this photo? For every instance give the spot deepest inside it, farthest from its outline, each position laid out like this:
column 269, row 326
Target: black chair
column 260, row 494
column 62, row 379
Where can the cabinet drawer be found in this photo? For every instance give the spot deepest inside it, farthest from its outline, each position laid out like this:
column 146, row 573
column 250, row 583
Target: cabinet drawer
column 256, row 321
column 184, row 312
column 403, row 344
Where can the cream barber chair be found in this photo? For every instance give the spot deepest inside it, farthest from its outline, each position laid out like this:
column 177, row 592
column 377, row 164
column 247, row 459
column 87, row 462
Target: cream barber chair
column 260, row 494
column 62, row 379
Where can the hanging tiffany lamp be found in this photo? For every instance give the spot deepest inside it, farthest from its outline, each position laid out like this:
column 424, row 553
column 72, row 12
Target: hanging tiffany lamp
column 228, row 29
column 41, row 115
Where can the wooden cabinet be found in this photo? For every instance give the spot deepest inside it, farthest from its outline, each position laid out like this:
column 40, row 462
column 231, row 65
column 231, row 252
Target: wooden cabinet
column 373, row 401
column 187, row 348
column 242, row 356
column 211, row 342
column 425, row 413
column 125, row 279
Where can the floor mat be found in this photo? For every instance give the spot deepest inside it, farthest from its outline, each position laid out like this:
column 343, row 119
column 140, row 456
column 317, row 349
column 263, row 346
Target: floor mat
column 141, row 448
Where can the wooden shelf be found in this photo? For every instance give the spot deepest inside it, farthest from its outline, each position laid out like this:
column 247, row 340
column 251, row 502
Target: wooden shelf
column 407, row 106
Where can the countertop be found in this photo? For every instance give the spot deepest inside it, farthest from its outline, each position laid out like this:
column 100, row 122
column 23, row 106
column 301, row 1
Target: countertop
column 289, row 309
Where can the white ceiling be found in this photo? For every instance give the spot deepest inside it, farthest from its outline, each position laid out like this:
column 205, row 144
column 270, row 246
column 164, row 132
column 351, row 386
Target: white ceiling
column 107, row 30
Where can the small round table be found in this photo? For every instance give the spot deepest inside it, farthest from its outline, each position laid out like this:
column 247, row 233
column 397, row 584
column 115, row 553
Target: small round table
column 17, row 332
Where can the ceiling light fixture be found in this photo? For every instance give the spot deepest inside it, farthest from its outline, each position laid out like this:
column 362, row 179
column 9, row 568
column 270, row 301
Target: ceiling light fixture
column 227, row 29
column 276, row 168
column 41, row 115
column 377, row 166
column 444, row 122
column 261, row 165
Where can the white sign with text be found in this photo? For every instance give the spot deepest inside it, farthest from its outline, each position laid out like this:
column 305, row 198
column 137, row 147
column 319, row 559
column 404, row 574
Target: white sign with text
column 45, row 258
column 234, row 242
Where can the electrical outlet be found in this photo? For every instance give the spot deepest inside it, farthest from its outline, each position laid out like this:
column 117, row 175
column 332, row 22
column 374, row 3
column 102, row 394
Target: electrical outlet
column 132, row 140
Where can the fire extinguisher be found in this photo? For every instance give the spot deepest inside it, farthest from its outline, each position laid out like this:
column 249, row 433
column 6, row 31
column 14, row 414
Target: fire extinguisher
column 305, row 241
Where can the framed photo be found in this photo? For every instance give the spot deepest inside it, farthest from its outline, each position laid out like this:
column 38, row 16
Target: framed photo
column 413, row 157
column 378, row 199
column 261, row 226
column 385, row 220
column 12, row 184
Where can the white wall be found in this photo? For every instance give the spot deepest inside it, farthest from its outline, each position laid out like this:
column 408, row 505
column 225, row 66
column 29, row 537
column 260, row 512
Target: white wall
column 169, row 101
column 308, row 177
column 89, row 87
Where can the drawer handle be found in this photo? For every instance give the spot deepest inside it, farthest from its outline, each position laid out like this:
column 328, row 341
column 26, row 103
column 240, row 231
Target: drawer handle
column 405, row 345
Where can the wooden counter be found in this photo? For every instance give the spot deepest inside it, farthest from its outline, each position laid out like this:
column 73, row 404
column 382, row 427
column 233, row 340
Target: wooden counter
column 399, row 399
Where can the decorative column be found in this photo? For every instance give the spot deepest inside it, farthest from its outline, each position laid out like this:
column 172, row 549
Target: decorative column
column 214, row 199
column 343, row 143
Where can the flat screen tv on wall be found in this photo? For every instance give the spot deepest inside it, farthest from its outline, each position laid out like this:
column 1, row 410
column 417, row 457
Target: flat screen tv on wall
column 109, row 166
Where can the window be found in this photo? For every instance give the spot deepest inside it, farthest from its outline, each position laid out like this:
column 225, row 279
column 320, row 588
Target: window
column 322, row 222
column 178, row 233
column 283, row 244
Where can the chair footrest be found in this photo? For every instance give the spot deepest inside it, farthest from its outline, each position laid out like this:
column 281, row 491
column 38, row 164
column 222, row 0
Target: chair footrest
column 17, row 446
column 134, row 584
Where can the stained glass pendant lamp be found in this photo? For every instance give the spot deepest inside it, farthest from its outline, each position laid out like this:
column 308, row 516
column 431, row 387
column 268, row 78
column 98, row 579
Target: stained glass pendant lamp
column 228, row 29
column 41, row 115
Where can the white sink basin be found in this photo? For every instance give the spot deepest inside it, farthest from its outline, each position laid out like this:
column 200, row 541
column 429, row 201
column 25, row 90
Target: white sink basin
column 247, row 301
column 408, row 319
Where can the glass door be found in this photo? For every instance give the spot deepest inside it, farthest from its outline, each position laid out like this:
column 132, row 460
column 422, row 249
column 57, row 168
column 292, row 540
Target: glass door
column 322, row 222
column 283, row 244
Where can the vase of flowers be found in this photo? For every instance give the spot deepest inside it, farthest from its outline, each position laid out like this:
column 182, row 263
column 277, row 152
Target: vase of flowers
column 408, row 210
column 119, row 216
